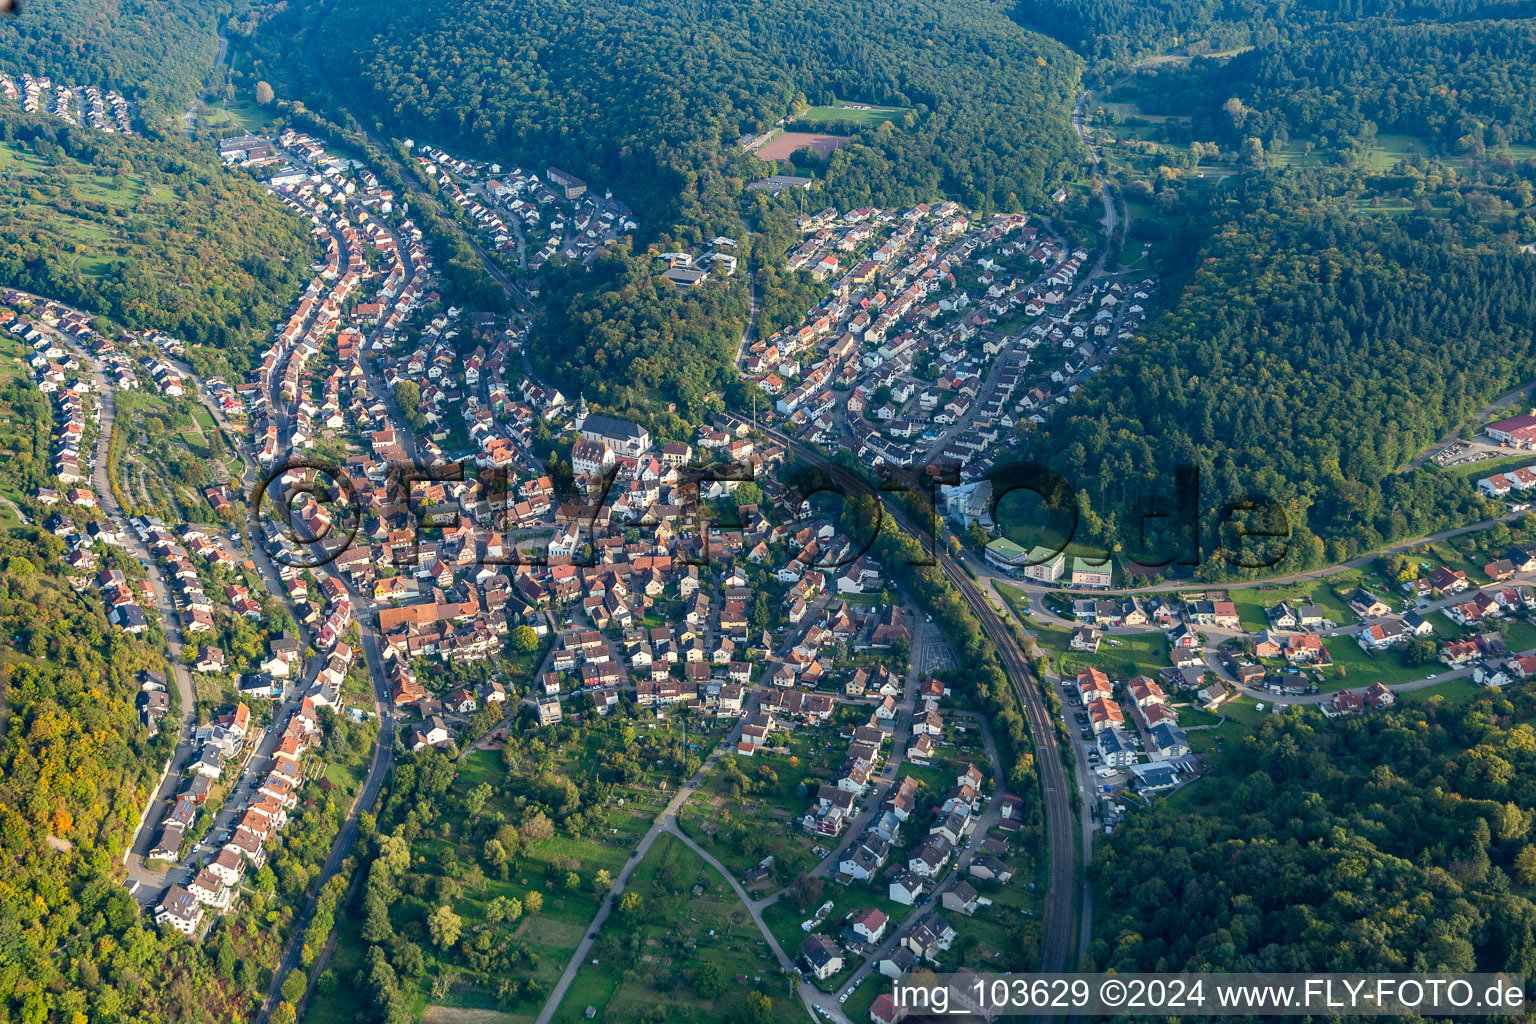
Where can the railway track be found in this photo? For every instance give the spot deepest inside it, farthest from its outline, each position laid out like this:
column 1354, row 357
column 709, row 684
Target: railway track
column 1061, row 828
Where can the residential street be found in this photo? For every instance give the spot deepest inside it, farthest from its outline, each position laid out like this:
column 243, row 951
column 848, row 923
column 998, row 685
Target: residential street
column 165, row 794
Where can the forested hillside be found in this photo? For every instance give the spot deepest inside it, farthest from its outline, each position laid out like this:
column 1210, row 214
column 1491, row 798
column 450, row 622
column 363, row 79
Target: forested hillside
column 1312, row 353
column 150, row 50
column 1117, row 29
column 1463, row 88
column 620, row 334
column 148, row 230
column 1398, row 841
column 76, row 766
column 652, row 96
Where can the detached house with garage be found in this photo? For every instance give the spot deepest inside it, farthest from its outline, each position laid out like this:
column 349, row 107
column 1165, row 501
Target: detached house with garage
column 822, row 956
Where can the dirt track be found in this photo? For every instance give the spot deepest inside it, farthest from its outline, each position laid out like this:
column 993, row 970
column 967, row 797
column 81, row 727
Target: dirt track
column 463, row 1015
column 786, row 144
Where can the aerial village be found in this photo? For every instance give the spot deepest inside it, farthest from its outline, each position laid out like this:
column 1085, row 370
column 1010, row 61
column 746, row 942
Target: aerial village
column 80, row 105
column 529, row 218
column 633, row 597
column 941, row 334
column 623, row 584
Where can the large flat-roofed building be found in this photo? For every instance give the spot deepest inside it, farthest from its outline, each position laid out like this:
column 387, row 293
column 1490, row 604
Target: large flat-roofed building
column 1005, row 554
column 1045, row 565
column 569, row 185
column 779, row 182
column 244, row 147
column 1039, row 563
column 686, row 277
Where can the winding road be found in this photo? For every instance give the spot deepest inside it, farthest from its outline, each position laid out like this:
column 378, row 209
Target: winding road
column 166, row 793
column 1106, row 192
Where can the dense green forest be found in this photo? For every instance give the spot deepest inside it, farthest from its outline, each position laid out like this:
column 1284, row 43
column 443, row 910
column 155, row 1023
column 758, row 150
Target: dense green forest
column 148, row 230
column 76, row 766
column 156, row 52
column 1398, row 841
column 1464, row 88
column 622, row 334
column 1311, row 353
column 1120, row 29
column 652, row 97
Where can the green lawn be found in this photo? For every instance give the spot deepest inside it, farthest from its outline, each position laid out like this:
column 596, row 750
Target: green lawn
column 1138, row 654
column 1189, row 716
column 1444, row 628
column 1294, row 154
column 1389, row 149
column 1362, row 669
column 1521, row 635
column 844, row 111
column 1242, row 717
column 1244, row 711
column 1455, row 691
column 17, row 161
column 1017, row 601
column 1252, row 601
column 238, row 114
